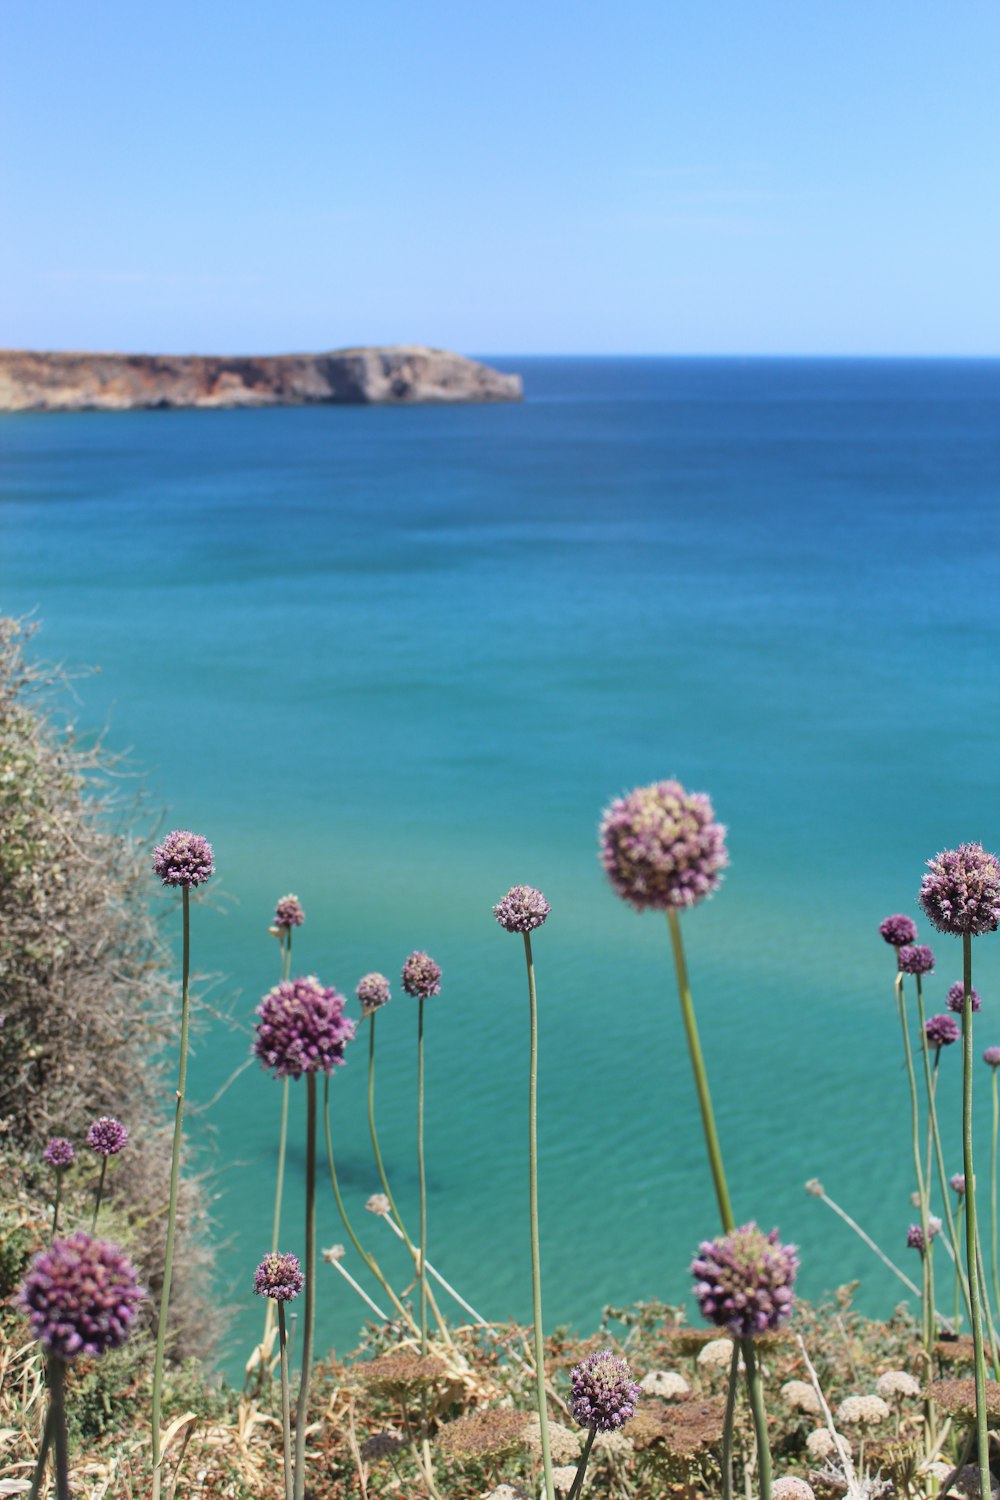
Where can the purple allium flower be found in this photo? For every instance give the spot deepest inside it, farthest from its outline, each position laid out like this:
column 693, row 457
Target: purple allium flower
column 603, row 1395
column 992, row 1057
column 421, row 976
column 279, row 1277
column 961, row 891
column 522, row 909
column 942, row 1030
column 107, row 1136
column 955, row 999
column 302, row 1028
column 744, row 1280
column 184, row 858
column 373, row 992
column 81, row 1296
column 661, row 847
column 915, row 1235
column 59, row 1152
column 957, row 1183
column 289, row 913
column 898, row 930
column 916, row 958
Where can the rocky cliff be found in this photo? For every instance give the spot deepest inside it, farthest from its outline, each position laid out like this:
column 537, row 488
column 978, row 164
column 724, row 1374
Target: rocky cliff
column 31, row 381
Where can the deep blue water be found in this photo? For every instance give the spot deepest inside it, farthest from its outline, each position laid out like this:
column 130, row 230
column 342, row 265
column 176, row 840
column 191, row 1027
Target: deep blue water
column 398, row 660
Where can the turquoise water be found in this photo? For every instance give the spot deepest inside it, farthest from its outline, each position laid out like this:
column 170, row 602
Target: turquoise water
column 398, row 660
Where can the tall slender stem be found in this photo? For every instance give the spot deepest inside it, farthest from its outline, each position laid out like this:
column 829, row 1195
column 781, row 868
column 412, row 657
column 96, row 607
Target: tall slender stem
column 286, row 1422
column 175, row 1164
column 982, row 1441
column 928, row 1292
column 935, row 1131
column 383, row 1178
column 55, row 1206
column 536, row 1263
column 368, row 1259
column 581, row 1469
column 302, row 1409
column 100, row 1194
column 727, row 1426
column 43, row 1452
column 993, row 1192
column 285, row 968
column 57, row 1395
column 422, row 1175
column 700, row 1076
column 755, row 1391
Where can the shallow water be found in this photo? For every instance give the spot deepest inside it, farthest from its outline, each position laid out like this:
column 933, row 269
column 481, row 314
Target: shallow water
column 398, row 660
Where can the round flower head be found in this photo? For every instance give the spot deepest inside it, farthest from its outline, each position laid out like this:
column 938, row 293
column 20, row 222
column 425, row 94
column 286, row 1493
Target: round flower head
column 59, row 1153
column 288, row 913
column 107, row 1136
column 522, row 909
column 790, row 1487
column 744, row 1280
column 801, row 1396
column 603, row 1394
column 955, row 999
column 820, row 1444
column 992, row 1057
column 915, row 1234
column 717, row 1354
column 942, row 1030
column 961, row 891
column 897, row 1383
column 278, row 1277
column 81, row 1296
column 665, row 1383
column 898, row 930
column 916, row 958
column 373, row 992
column 302, row 1028
column 661, row 847
column 421, row 976
column 184, row 858
column 957, row 1183
column 862, row 1411
column 378, row 1204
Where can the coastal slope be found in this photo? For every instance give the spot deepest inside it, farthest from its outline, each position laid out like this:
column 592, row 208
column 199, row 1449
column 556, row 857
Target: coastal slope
column 395, row 374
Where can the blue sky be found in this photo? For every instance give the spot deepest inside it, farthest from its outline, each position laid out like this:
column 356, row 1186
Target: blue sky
column 789, row 176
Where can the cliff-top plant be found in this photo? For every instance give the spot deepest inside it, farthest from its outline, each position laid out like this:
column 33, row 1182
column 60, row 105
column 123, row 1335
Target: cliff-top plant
column 523, row 910
column 279, row 1278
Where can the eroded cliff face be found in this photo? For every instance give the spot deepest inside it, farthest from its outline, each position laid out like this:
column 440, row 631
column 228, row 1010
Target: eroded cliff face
column 32, row 381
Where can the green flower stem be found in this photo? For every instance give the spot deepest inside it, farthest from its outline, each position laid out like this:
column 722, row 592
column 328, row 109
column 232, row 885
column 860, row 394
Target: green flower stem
column 700, row 1076
column 930, row 1082
column 175, row 1165
column 421, row 1171
column 55, row 1206
column 536, row 1263
column 755, row 1391
column 285, row 965
column 982, row 1440
column 993, row 1191
column 57, row 1395
column 960, row 1282
column 100, row 1194
column 927, row 1299
column 581, row 1471
column 286, row 1421
column 302, row 1409
column 369, row 1260
column 727, row 1426
column 43, row 1452
column 442, row 1325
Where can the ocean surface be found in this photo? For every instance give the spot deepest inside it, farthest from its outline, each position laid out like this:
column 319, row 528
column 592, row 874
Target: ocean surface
column 396, row 661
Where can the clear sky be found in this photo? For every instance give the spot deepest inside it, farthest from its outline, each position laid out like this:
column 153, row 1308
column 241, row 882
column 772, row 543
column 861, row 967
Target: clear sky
column 648, row 176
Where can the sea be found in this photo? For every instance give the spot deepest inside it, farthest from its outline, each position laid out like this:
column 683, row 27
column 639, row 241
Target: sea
column 396, row 660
